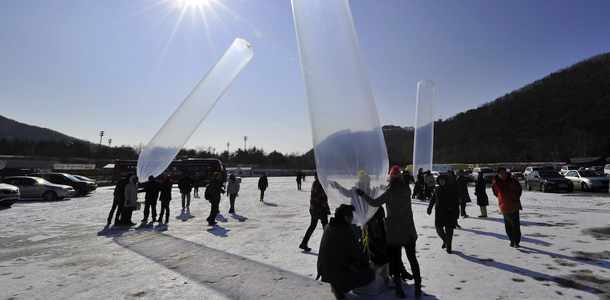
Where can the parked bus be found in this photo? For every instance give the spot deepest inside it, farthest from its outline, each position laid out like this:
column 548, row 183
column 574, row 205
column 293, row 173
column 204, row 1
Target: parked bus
column 205, row 166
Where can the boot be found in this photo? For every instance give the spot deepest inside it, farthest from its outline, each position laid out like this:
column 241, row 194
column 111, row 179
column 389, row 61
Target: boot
column 418, row 287
column 398, row 287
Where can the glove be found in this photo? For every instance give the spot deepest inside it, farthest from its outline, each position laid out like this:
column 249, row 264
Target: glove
column 359, row 192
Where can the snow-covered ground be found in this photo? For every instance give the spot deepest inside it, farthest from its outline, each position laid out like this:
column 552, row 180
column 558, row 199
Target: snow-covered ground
column 63, row 250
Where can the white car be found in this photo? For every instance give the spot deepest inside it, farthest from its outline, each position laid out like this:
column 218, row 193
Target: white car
column 588, row 180
column 8, row 194
column 565, row 169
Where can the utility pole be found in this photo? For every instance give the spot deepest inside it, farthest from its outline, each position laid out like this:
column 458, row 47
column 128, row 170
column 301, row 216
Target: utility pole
column 228, row 144
column 245, row 140
column 109, row 142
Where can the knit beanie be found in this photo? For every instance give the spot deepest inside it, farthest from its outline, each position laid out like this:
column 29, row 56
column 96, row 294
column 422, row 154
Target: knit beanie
column 395, row 174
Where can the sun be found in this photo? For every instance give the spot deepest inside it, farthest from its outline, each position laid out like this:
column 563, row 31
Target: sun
column 186, row 4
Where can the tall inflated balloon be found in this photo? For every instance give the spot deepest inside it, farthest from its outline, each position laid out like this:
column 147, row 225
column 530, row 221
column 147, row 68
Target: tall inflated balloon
column 165, row 145
column 424, row 126
column 346, row 132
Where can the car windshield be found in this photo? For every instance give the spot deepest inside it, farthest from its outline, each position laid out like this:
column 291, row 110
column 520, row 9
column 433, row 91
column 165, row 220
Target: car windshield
column 588, row 174
column 549, row 174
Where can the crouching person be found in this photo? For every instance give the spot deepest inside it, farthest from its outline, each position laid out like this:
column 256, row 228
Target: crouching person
column 341, row 262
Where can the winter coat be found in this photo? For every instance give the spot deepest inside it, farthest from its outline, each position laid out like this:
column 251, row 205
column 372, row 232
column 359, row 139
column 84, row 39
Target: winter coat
column 131, row 192
column 233, row 187
column 463, row 189
column 263, row 183
column 430, row 182
column 338, row 251
column 508, row 192
column 119, row 189
column 479, row 191
column 318, row 201
column 152, row 189
column 215, row 187
column 400, row 228
column 166, row 191
column 446, row 201
column 186, row 184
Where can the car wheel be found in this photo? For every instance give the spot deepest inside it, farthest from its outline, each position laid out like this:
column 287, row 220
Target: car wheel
column 585, row 187
column 543, row 188
column 49, row 195
column 569, row 190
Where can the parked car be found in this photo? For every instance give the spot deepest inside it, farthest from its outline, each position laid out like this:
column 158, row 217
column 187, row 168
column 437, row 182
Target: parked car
column 516, row 173
column 488, row 173
column 529, row 170
column 547, row 180
column 80, row 186
column 588, row 180
column 565, row 169
column 36, row 187
column 84, row 178
column 607, row 170
column 8, row 194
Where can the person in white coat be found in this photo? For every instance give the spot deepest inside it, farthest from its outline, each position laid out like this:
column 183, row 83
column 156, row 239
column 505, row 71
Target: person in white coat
column 131, row 196
column 232, row 191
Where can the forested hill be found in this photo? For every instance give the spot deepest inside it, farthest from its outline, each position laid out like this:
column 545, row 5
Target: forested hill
column 563, row 115
column 11, row 130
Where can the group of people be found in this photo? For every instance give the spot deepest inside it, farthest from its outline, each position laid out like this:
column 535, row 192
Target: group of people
column 127, row 188
column 126, row 195
column 341, row 261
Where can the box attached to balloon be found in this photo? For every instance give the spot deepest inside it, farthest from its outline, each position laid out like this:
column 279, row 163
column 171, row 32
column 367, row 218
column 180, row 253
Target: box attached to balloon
column 382, row 278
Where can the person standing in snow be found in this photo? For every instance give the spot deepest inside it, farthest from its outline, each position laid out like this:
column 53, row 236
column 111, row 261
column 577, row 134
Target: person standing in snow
column 482, row 199
column 232, row 191
column 152, row 189
column 196, row 184
column 131, row 197
column 119, row 199
column 430, row 184
column 299, row 177
column 262, row 185
column 185, row 184
column 318, row 210
column 462, row 186
column 508, row 190
column 165, row 198
column 214, row 188
column 447, row 201
column 341, row 262
column 400, row 227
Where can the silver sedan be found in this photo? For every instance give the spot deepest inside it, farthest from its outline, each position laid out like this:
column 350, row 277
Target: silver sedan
column 35, row 187
column 588, row 180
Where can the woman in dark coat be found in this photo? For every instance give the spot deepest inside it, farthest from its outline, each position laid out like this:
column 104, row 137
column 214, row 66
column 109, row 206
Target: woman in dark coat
column 447, row 201
column 165, row 197
column 479, row 191
column 262, row 185
column 400, row 228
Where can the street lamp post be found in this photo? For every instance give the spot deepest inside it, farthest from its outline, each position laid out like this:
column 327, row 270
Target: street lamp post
column 101, row 135
column 245, row 140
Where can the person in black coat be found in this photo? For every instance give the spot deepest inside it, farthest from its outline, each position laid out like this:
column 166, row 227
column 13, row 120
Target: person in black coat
column 341, row 262
column 263, row 184
column 447, row 201
column 165, row 197
column 119, row 199
column 299, row 178
column 462, row 186
column 482, row 199
column 214, row 189
column 152, row 189
column 186, row 184
column 318, row 210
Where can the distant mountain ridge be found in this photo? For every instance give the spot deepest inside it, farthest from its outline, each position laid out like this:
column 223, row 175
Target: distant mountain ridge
column 11, row 129
column 563, row 115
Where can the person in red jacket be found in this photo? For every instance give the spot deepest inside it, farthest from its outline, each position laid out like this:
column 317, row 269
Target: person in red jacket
column 508, row 190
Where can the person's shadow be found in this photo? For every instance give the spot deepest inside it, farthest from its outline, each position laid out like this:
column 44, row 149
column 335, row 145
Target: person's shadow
column 270, row 204
column 238, row 217
column 185, row 215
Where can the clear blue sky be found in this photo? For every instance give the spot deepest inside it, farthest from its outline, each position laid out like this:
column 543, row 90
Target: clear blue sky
column 79, row 67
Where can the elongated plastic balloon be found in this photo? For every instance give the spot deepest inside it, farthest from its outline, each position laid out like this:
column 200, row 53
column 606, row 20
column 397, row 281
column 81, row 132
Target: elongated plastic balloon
column 346, row 132
column 424, row 126
column 166, row 144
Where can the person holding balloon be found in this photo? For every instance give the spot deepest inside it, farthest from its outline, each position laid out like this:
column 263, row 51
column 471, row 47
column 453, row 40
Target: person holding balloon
column 400, row 227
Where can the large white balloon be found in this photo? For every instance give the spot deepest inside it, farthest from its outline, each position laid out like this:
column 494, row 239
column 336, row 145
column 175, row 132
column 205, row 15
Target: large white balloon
column 346, row 132
column 424, row 126
column 165, row 145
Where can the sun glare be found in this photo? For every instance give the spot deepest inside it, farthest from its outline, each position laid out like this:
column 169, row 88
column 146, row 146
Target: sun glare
column 186, row 4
